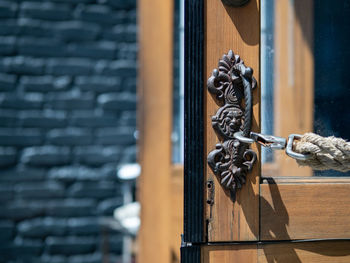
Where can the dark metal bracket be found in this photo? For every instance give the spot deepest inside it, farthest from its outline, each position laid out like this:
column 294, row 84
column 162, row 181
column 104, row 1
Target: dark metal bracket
column 235, row 3
column 230, row 85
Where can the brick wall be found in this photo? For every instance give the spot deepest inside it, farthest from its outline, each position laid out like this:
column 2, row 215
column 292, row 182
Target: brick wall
column 67, row 118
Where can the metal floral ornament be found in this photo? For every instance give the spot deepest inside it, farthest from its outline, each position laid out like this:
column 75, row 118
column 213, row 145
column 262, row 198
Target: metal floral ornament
column 231, row 84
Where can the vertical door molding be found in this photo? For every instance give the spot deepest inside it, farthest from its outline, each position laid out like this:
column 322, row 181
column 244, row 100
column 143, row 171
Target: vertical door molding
column 155, row 125
column 194, row 227
column 237, row 29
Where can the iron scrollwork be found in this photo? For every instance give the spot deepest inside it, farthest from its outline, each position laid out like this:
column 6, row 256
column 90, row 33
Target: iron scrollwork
column 231, row 86
column 235, row 3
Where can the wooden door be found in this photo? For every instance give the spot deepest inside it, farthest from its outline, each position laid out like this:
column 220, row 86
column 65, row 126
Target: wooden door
column 283, row 213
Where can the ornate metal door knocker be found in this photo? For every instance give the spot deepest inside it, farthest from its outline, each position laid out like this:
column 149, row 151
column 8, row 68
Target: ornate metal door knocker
column 231, row 85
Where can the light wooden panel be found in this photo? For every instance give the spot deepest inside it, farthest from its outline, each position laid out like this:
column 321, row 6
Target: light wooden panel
column 286, row 252
column 293, row 77
column 311, row 208
column 155, row 125
column 177, row 201
column 237, row 29
column 229, row 254
column 309, row 252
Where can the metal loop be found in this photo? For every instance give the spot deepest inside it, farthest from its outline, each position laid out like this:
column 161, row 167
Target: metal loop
column 239, row 136
column 293, row 154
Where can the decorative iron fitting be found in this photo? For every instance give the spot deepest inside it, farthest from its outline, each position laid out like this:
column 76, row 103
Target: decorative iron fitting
column 235, row 3
column 230, row 85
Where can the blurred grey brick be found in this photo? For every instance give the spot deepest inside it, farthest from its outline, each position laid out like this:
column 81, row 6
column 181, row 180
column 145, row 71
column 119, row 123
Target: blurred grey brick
column 129, row 155
column 22, row 174
column 117, row 101
column 70, row 245
column 100, row 190
column 127, row 51
column 8, row 156
column 9, row 27
column 8, row 118
column 120, row 68
column 69, row 136
column 122, row 4
column 34, row 28
column 128, row 118
column 26, row 248
column 69, row 52
column 42, row 227
column 132, row 16
column 89, row 258
column 6, row 192
column 46, row 156
column 98, row 84
column 7, row 9
column 83, row 226
column 122, row 33
column 40, row 47
column 74, row 1
column 70, row 207
column 20, row 138
column 61, row 83
column 42, row 119
column 82, row 173
column 107, row 206
column 116, row 136
column 6, row 252
column 22, row 65
column 69, row 66
column 116, row 243
column 7, row 228
column 45, row 11
column 19, row 210
column 37, row 83
column 100, row 14
column 92, row 119
column 7, row 45
column 45, row 258
column 77, row 31
column 40, row 190
column 45, row 83
column 27, row 101
column 72, row 173
column 7, row 82
column 97, row 50
column 70, row 100
column 97, row 155
column 130, row 84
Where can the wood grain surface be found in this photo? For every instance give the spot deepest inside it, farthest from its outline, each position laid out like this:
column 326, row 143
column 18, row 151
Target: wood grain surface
column 155, row 125
column 305, row 209
column 237, row 29
column 306, row 252
column 229, row 254
column 309, row 252
column 176, row 205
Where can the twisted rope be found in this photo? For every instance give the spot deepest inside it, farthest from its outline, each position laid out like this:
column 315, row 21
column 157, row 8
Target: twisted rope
column 326, row 152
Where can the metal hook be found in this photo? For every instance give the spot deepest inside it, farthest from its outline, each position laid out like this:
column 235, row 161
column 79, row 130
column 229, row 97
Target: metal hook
column 274, row 142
